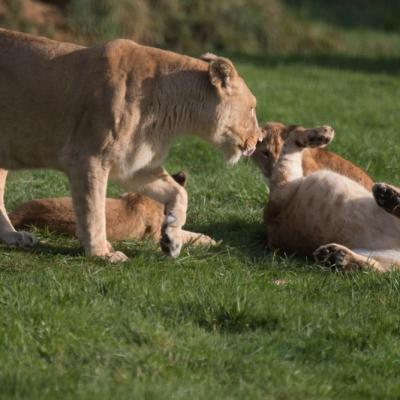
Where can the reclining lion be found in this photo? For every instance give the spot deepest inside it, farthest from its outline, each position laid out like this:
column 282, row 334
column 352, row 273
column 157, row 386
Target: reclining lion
column 131, row 216
column 112, row 111
column 324, row 205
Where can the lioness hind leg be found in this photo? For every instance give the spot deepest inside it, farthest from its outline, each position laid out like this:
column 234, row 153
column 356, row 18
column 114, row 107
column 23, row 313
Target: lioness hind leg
column 8, row 234
column 88, row 180
column 387, row 197
column 337, row 256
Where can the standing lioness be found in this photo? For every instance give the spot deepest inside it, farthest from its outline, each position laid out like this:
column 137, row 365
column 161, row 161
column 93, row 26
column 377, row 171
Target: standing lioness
column 113, row 111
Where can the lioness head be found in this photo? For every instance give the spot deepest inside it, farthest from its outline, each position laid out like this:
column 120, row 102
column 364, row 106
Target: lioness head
column 269, row 149
column 236, row 130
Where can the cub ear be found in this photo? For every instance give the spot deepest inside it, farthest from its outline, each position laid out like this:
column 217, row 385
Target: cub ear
column 180, row 178
column 222, row 74
column 276, row 129
column 208, row 57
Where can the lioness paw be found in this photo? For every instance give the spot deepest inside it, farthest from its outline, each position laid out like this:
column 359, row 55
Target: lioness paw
column 171, row 240
column 115, row 257
column 19, row 239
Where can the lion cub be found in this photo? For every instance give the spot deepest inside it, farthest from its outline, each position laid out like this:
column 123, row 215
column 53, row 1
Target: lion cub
column 337, row 218
column 313, row 159
column 131, row 216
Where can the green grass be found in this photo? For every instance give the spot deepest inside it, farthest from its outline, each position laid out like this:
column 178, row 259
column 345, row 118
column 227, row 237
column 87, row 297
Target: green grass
column 214, row 324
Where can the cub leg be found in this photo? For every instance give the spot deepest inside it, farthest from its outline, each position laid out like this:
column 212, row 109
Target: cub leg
column 88, row 180
column 8, row 234
column 160, row 186
column 289, row 165
column 197, row 239
column 387, row 197
column 336, row 255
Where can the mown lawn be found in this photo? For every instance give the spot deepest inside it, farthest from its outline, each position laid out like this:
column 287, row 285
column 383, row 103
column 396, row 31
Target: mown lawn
column 215, row 324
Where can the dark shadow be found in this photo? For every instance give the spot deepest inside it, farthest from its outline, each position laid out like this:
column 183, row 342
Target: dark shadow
column 248, row 241
column 229, row 320
column 44, row 249
column 224, row 318
column 248, row 238
column 380, row 15
column 376, row 64
column 224, row 321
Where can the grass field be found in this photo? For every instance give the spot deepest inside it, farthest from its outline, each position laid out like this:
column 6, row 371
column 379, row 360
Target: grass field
column 214, row 324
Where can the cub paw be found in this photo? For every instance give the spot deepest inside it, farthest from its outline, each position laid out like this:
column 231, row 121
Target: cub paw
column 203, row 240
column 317, row 137
column 387, row 197
column 19, row 239
column 335, row 256
column 171, row 240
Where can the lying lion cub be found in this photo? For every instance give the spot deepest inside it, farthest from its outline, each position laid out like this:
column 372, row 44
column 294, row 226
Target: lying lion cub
column 132, row 216
column 326, row 213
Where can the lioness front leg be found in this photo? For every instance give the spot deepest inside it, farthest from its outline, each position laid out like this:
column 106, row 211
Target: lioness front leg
column 8, row 234
column 160, row 186
column 88, row 179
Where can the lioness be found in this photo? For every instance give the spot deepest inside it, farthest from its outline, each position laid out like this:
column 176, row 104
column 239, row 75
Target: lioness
column 112, row 111
column 131, row 216
column 328, row 214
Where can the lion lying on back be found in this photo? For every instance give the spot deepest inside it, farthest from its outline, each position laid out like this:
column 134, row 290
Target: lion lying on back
column 322, row 204
column 131, row 216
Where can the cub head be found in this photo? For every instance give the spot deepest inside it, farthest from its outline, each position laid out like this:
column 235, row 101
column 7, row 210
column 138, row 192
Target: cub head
column 235, row 129
column 268, row 150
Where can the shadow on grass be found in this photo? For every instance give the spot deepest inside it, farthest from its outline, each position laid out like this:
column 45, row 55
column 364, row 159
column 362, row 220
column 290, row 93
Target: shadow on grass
column 225, row 318
column 248, row 242
column 248, row 238
column 377, row 64
column 226, row 321
column 46, row 249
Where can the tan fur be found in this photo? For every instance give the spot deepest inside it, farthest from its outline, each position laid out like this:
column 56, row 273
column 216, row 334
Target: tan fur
column 313, row 159
column 132, row 216
column 112, row 111
column 326, row 212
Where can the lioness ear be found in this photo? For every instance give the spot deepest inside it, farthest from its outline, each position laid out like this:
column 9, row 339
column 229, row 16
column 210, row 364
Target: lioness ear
column 222, row 74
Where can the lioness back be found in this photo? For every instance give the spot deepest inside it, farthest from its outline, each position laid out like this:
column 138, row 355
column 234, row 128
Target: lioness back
column 52, row 91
